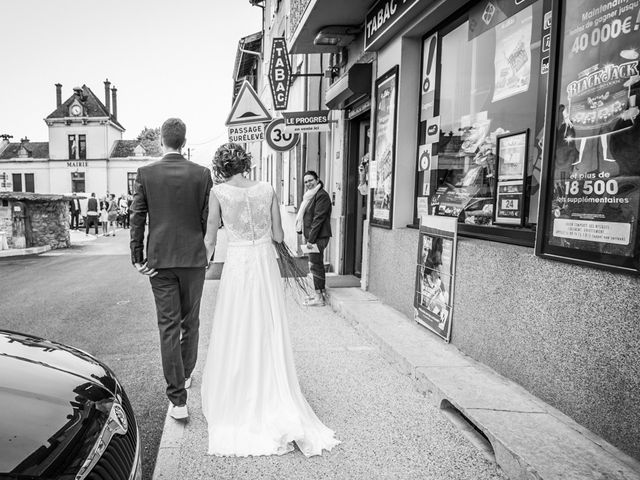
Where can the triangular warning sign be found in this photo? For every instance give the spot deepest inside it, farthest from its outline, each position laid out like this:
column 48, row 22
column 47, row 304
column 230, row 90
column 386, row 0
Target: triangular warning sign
column 247, row 108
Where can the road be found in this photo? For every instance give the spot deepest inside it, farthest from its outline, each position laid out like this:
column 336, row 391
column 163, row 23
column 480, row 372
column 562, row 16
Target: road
column 90, row 296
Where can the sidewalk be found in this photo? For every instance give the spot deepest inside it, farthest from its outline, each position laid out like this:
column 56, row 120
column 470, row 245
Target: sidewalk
column 530, row 440
column 77, row 237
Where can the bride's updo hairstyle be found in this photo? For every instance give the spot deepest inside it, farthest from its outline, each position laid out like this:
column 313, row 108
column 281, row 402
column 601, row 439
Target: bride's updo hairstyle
column 230, row 159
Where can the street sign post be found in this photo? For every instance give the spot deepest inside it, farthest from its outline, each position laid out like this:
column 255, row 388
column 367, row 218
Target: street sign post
column 280, row 73
column 250, row 132
column 278, row 139
column 247, row 108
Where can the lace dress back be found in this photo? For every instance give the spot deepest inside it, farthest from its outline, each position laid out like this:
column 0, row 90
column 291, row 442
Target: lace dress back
column 246, row 212
column 251, row 396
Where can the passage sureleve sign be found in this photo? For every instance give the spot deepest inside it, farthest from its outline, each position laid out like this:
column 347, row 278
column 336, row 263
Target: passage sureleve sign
column 594, row 205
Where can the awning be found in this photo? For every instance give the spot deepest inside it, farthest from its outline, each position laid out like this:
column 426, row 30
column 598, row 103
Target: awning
column 351, row 87
column 323, row 13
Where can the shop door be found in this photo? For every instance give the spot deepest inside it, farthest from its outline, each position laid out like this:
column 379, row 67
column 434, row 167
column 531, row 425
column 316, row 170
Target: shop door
column 356, row 202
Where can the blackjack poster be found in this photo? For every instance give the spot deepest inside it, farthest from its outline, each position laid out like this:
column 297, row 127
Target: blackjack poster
column 594, row 203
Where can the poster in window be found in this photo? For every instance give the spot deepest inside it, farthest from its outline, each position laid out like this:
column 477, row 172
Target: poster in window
column 435, row 273
column 384, row 149
column 512, row 59
column 428, row 87
column 594, row 195
column 511, row 168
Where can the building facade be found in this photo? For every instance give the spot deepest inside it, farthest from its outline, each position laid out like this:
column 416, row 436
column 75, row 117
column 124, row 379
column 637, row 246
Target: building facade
column 517, row 120
column 85, row 152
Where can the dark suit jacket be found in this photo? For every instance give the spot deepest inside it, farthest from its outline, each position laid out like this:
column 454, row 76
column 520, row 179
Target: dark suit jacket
column 317, row 217
column 174, row 193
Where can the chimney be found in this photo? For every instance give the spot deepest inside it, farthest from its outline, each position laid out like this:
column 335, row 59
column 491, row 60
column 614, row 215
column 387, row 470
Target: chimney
column 107, row 95
column 58, row 94
column 114, row 100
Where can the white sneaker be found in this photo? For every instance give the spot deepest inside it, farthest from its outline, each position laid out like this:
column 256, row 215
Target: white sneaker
column 187, row 382
column 179, row 412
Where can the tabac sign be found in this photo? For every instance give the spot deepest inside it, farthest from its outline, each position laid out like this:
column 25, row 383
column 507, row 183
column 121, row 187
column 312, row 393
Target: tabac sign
column 279, row 73
column 382, row 16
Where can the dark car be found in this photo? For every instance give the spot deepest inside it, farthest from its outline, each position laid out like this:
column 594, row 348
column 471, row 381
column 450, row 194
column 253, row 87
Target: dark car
column 63, row 415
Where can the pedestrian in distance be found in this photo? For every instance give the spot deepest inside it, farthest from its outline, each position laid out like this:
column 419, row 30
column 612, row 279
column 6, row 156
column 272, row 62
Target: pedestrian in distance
column 251, row 396
column 173, row 193
column 112, row 214
column 93, row 214
column 74, row 208
column 104, row 216
column 123, row 209
column 314, row 222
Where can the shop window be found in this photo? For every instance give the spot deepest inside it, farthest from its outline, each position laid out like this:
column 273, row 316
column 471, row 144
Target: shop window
column 29, row 183
column 17, row 182
column 482, row 81
column 77, row 182
column 131, row 182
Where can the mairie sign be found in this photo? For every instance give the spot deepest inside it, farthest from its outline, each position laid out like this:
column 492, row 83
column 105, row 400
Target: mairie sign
column 247, row 108
column 305, row 122
column 279, row 73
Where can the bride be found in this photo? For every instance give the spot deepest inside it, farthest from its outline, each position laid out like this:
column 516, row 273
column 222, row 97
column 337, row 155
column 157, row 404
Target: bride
column 251, row 397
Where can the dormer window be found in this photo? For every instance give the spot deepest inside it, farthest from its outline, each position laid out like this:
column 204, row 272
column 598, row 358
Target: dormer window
column 77, row 147
column 139, row 151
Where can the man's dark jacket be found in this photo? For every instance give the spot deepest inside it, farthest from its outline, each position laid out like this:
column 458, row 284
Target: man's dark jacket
column 316, row 219
column 174, row 192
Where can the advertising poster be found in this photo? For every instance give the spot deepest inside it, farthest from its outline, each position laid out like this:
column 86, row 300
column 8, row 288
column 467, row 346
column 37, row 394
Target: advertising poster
column 435, row 273
column 384, row 149
column 594, row 201
column 511, row 167
column 513, row 57
column 427, row 97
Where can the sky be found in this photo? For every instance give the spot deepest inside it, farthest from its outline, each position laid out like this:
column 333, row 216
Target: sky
column 166, row 58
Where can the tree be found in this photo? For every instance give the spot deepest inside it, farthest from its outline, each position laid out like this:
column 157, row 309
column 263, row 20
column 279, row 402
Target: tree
column 149, row 138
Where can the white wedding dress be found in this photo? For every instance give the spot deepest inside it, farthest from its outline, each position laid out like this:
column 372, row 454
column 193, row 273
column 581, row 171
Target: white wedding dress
column 251, row 397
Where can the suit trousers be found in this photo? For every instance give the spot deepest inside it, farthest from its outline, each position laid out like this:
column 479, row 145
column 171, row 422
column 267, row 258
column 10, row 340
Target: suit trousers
column 75, row 220
column 316, row 264
column 177, row 293
column 91, row 220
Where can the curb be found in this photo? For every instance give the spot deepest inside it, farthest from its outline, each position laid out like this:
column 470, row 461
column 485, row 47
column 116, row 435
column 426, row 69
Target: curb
column 20, row 252
column 530, row 439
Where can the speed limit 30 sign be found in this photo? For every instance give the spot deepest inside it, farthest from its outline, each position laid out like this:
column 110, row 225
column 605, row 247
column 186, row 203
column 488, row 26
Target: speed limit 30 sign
column 278, row 139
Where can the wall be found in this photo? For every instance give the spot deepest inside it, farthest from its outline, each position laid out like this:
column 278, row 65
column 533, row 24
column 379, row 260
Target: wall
column 49, row 224
column 568, row 334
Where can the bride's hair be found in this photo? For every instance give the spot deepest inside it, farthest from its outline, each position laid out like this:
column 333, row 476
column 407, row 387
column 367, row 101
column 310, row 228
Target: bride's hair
column 230, row 159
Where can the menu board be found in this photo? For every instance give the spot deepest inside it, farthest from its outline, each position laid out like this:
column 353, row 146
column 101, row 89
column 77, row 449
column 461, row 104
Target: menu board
column 593, row 203
column 433, row 298
column 511, row 170
column 384, row 149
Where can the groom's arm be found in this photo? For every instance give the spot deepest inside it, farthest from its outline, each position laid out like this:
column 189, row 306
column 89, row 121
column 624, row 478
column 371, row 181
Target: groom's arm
column 138, row 221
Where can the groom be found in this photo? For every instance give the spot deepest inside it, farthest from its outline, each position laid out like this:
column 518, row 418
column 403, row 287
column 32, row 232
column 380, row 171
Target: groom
column 174, row 194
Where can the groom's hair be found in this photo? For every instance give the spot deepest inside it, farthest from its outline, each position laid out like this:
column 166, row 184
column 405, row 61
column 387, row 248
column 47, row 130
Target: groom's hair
column 173, row 133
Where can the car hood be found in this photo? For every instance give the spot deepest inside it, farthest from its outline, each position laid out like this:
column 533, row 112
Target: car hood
column 54, row 399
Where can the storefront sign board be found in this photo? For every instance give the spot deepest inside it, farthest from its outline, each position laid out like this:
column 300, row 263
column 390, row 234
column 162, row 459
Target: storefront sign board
column 382, row 16
column 435, row 274
column 280, row 73
column 384, row 148
column 592, row 201
column 305, row 122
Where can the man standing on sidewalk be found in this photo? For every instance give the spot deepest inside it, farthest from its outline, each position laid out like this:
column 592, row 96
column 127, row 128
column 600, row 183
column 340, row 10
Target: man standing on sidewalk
column 92, row 214
column 174, row 193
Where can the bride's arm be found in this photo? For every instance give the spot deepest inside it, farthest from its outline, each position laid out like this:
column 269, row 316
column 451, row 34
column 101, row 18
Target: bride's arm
column 277, row 232
column 213, row 224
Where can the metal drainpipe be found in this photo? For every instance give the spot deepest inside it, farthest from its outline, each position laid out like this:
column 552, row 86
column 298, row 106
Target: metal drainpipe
column 303, row 162
column 319, row 108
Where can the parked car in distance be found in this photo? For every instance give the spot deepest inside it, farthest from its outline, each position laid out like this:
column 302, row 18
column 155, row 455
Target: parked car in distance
column 63, row 415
